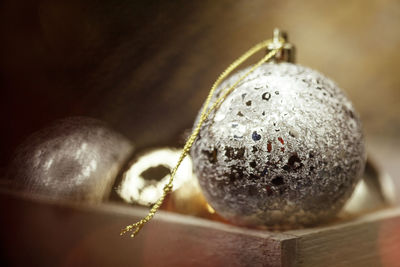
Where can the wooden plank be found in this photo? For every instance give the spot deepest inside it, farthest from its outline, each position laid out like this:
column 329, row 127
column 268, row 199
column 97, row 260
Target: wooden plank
column 36, row 232
column 44, row 233
column 369, row 240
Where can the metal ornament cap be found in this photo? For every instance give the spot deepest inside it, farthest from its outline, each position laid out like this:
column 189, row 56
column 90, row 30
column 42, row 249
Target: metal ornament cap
column 285, row 149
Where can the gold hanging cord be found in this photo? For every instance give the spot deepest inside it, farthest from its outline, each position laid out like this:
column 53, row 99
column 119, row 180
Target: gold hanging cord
column 274, row 46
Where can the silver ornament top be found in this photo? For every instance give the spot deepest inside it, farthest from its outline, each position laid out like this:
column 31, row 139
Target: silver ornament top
column 285, row 147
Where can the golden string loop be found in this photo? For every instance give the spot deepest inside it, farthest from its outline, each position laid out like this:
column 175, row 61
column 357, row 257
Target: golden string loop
column 136, row 227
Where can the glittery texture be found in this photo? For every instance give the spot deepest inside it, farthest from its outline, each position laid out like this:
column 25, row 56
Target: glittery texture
column 285, row 149
column 76, row 159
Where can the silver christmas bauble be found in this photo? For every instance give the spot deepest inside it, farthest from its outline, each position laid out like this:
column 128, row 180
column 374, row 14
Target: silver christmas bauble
column 285, row 149
column 76, row 159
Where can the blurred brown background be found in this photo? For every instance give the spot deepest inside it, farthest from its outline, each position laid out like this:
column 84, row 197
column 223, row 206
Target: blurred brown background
column 145, row 66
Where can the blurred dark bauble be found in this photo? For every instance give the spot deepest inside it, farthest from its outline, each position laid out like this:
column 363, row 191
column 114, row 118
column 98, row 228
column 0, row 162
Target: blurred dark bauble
column 75, row 159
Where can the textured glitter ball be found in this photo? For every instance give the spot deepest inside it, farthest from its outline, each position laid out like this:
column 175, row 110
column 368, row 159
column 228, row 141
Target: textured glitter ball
column 285, row 149
column 77, row 159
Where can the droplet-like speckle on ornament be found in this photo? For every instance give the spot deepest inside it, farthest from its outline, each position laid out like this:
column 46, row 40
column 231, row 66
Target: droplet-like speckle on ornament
column 299, row 155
